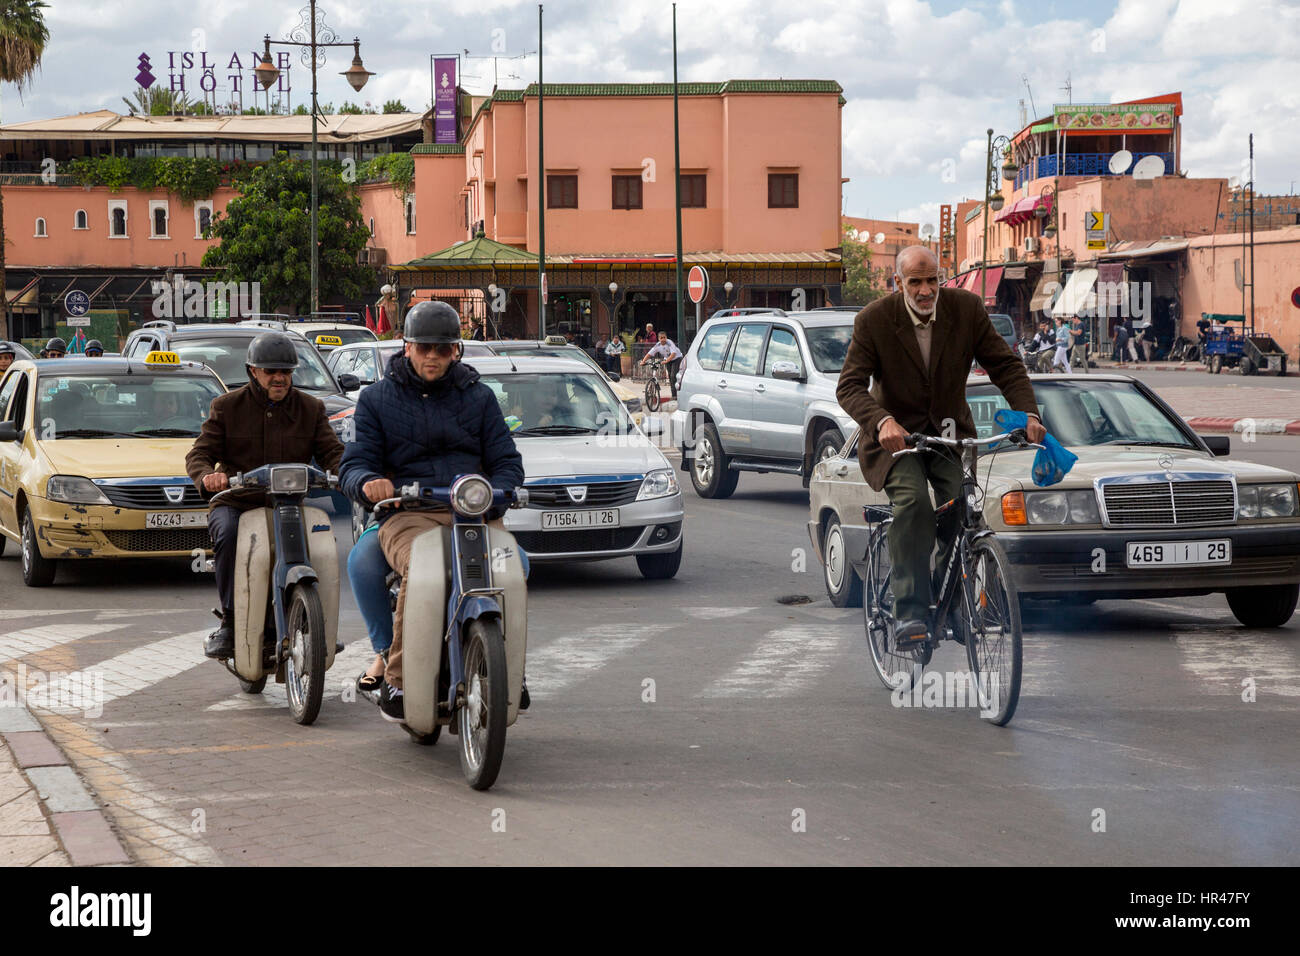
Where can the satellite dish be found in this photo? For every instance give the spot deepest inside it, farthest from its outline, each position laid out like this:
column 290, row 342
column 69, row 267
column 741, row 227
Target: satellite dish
column 880, row 237
column 1149, row 167
column 927, row 230
column 1120, row 162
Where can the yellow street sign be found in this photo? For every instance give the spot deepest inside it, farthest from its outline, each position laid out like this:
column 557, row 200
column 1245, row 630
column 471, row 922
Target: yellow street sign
column 1096, row 221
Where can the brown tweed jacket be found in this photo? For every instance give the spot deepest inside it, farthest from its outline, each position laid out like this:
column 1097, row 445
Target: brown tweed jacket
column 883, row 373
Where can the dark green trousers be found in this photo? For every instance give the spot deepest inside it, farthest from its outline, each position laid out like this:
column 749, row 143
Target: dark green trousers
column 912, row 535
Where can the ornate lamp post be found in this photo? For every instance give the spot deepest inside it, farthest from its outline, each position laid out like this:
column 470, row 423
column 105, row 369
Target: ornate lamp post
column 311, row 35
column 1044, row 212
column 993, row 197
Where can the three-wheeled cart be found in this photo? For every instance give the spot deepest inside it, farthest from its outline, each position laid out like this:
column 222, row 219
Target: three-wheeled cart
column 1223, row 344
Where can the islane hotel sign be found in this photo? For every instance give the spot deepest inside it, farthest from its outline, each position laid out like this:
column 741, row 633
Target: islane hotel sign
column 191, row 69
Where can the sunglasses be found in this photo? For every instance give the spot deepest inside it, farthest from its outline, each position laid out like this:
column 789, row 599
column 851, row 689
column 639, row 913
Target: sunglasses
column 55, row 354
column 442, row 349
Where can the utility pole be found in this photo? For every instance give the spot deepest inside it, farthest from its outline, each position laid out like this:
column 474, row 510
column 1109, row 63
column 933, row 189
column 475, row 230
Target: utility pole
column 541, row 190
column 677, row 186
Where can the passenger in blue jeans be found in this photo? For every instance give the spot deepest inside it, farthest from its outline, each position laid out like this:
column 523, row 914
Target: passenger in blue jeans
column 368, row 573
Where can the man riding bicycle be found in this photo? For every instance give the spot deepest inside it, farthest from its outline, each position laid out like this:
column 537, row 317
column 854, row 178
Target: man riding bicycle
column 906, row 372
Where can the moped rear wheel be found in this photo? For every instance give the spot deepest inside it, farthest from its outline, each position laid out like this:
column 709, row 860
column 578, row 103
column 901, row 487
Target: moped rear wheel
column 481, row 721
column 304, row 667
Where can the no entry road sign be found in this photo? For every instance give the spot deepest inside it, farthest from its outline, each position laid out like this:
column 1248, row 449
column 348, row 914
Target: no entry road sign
column 697, row 284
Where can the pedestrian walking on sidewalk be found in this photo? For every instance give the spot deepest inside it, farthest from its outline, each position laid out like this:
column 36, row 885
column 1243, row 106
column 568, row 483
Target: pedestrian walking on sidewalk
column 1062, row 356
column 1079, row 352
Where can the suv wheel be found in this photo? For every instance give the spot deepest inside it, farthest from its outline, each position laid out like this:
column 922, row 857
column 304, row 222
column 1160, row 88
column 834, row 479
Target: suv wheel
column 710, row 471
column 828, row 445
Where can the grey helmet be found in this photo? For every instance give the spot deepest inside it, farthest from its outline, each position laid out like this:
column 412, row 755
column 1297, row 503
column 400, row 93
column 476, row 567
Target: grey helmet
column 94, row 345
column 7, row 348
column 56, row 344
column 432, row 322
column 272, row 350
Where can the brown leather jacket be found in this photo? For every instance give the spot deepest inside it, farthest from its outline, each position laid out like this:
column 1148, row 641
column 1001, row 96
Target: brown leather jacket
column 883, row 374
column 245, row 430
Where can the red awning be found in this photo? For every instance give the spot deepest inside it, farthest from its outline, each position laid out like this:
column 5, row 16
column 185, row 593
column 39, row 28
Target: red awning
column 990, row 285
column 1022, row 210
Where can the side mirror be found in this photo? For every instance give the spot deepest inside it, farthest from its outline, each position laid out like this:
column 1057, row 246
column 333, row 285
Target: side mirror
column 349, row 382
column 1220, row 445
column 9, row 432
column 614, row 376
column 789, row 371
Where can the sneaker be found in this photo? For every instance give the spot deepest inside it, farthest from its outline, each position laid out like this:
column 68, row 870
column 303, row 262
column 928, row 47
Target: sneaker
column 391, row 707
column 220, row 644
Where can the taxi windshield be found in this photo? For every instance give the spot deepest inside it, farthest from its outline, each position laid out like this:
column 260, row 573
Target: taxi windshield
column 115, row 406
column 558, row 403
column 349, row 334
column 226, row 354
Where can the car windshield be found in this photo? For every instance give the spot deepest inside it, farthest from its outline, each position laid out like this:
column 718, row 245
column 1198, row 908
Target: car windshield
column 558, row 351
column 226, row 355
column 1086, row 413
column 164, row 405
column 348, row 333
column 1002, row 325
column 829, row 345
column 558, row 403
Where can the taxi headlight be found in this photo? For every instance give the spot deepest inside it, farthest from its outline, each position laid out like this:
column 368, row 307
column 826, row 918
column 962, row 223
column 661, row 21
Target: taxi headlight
column 289, row 480
column 74, row 489
column 1062, row 507
column 471, row 495
column 658, row 484
column 1266, row 501
column 344, row 425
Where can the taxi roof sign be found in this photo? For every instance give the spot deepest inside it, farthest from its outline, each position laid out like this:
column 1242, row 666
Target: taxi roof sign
column 328, row 340
column 162, row 358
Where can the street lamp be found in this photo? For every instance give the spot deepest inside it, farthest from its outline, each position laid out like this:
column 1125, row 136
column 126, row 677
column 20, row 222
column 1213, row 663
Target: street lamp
column 312, row 34
column 992, row 195
column 1043, row 212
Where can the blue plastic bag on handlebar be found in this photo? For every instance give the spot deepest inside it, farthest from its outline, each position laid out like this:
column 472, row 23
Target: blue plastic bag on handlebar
column 1053, row 461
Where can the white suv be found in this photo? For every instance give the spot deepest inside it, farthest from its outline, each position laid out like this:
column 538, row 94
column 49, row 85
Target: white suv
column 757, row 393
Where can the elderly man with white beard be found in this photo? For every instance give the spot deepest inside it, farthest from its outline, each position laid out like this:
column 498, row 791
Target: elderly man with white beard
column 906, row 372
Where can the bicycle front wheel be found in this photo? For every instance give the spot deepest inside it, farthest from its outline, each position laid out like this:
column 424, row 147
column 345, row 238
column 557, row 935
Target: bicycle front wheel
column 993, row 644
column 652, row 393
column 898, row 668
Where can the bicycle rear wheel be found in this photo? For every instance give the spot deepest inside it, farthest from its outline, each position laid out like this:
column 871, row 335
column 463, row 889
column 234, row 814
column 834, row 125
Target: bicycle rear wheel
column 898, row 668
column 993, row 644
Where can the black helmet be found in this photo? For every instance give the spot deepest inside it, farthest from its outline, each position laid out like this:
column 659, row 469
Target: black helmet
column 56, row 344
column 272, row 350
column 94, row 345
column 432, row 322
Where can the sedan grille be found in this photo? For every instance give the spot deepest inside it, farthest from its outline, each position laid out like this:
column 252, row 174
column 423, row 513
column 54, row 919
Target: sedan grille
column 1169, row 503
column 593, row 539
column 163, row 539
column 151, row 496
column 604, row 494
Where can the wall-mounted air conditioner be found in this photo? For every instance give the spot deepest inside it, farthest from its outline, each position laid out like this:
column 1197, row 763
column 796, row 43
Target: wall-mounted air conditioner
column 1031, row 243
column 1010, row 254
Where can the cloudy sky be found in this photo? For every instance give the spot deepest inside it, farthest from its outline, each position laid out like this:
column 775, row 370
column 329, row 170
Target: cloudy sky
column 923, row 80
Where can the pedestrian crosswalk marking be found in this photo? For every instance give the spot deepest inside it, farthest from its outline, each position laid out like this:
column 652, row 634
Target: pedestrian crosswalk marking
column 715, row 613
column 348, row 664
column 563, row 662
column 33, row 640
column 1223, row 664
column 17, row 614
column 785, row 661
column 1041, row 674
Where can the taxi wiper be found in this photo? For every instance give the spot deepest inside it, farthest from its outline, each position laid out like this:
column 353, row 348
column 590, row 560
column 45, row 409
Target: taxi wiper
column 1146, row 441
column 168, row 432
column 557, row 430
column 89, row 433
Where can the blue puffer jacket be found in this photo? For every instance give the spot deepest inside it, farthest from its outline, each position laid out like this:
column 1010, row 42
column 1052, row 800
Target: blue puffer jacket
column 411, row 430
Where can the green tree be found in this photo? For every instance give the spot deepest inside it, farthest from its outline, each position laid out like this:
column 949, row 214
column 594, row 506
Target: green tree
column 394, row 106
column 862, row 283
column 351, row 109
column 263, row 235
column 23, row 36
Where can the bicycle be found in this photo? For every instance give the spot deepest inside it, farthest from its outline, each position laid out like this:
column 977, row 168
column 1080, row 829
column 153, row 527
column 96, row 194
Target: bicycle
column 652, row 398
column 988, row 613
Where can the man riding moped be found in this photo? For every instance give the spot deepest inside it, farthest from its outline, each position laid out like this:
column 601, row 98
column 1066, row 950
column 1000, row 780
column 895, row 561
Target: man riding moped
column 267, row 421
column 428, row 421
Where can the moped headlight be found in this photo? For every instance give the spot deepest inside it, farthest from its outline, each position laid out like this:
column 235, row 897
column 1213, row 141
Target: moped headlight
column 74, row 489
column 1047, row 508
column 471, row 495
column 290, row 480
column 658, row 484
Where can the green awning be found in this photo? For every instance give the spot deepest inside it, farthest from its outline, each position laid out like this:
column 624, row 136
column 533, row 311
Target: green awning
column 480, row 251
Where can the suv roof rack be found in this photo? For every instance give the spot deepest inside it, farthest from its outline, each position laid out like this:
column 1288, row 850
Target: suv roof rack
column 167, row 324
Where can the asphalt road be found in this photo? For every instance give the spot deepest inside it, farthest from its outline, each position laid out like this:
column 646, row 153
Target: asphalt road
column 766, row 740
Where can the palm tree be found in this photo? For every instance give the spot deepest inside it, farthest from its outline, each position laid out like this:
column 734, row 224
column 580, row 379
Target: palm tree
column 23, row 36
column 159, row 101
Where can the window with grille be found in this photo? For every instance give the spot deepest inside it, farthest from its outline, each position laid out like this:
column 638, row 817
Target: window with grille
column 627, row 192
column 694, row 191
column 561, row 192
column 782, row 190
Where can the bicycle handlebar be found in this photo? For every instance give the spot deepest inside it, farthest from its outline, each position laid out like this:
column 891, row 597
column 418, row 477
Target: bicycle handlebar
column 918, row 443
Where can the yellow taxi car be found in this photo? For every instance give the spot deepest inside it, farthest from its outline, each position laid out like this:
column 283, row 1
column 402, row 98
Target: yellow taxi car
column 92, row 459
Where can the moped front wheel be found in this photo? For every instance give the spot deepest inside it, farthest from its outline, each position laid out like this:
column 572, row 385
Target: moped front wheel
column 304, row 667
column 481, row 720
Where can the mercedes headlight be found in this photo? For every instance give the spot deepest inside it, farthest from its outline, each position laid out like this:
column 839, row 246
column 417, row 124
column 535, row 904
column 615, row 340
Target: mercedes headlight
column 75, row 490
column 289, row 480
column 658, row 484
column 471, row 495
column 1062, row 507
column 1266, row 501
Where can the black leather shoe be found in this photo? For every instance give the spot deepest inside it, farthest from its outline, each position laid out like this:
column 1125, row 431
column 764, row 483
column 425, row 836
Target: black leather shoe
column 910, row 632
column 524, row 699
column 220, row 644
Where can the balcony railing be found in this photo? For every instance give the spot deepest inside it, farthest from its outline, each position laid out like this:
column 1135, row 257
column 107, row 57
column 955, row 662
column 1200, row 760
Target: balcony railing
column 1081, row 164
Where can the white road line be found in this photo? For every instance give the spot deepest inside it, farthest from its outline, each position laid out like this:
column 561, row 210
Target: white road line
column 33, row 640
column 715, row 613
column 355, row 658
column 785, row 661
column 563, row 662
column 17, row 614
column 1041, row 672
column 1222, row 663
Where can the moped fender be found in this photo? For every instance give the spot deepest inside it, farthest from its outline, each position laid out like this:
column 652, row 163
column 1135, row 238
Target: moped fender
column 423, row 616
column 299, row 572
column 324, row 554
column 253, row 563
column 473, row 608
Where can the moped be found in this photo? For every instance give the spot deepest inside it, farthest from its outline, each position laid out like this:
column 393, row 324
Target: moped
column 465, row 631
column 286, row 587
